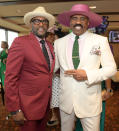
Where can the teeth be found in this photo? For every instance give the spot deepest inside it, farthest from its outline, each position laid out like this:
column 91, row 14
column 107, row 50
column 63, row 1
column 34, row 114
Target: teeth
column 40, row 29
column 78, row 27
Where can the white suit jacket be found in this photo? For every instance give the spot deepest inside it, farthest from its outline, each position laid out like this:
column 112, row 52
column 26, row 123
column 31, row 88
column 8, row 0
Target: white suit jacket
column 84, row 96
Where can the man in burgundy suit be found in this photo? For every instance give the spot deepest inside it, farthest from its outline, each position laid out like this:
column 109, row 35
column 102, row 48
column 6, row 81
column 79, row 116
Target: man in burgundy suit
column 28, row 78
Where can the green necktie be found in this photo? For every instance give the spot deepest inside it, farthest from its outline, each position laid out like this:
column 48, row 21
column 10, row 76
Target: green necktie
column 75, row 53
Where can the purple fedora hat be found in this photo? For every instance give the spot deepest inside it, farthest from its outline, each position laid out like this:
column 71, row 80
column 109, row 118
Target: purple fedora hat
column 81, row 9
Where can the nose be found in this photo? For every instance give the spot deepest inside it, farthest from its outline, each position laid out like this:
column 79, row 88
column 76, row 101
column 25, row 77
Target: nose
column 40, row 23
column 78, row 21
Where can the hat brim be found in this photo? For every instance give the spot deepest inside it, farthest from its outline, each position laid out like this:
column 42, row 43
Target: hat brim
column 30, row 15
column 94, row 19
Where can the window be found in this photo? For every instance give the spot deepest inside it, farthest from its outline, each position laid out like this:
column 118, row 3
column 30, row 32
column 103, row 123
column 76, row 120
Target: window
column 2, row 37
column 11, row 36
column 7, row 35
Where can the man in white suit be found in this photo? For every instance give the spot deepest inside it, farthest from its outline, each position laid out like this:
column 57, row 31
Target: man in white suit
column 80, row 94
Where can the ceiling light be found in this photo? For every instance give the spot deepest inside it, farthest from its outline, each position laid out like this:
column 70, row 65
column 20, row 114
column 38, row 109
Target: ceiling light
column 92, row 7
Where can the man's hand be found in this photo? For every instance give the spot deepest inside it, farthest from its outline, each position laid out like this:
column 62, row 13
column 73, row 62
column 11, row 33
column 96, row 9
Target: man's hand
column 19, row 118
column 79, row 75
column 106, row 95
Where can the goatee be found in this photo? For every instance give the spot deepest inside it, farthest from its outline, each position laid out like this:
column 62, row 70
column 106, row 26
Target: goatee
column 39, row 36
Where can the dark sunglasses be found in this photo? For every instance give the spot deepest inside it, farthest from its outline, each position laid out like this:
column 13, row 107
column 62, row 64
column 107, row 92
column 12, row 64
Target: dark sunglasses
column 38, row 21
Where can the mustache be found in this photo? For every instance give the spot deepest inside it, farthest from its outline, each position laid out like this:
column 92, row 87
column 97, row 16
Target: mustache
column 35, row 32
column 78, row 25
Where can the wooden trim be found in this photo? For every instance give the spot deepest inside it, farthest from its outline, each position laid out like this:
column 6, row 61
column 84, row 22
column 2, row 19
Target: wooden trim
column 15, row 2
column 7, row 29
column 108, row 13
column 113, row 21
column 8, row 17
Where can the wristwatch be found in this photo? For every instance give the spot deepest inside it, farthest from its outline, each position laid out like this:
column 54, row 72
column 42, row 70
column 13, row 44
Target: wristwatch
column 109, row 90
column 15, row 112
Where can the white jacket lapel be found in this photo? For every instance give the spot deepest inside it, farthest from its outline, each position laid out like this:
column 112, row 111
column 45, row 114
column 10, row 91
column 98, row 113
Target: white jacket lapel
column 86, row 49
column 68, row 40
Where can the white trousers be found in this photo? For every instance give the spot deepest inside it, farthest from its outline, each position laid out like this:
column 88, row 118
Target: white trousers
column 88, row 123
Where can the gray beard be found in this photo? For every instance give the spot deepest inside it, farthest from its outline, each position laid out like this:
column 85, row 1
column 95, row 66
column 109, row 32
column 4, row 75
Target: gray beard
column 39, row 36
column 34, row 31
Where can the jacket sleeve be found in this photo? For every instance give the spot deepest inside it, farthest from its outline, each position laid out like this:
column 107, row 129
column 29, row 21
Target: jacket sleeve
column 13, row 69
column 108, row 64
column 57, row 66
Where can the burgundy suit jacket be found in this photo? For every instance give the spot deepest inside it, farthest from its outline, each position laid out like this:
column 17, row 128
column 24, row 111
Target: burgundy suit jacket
column 28, row 80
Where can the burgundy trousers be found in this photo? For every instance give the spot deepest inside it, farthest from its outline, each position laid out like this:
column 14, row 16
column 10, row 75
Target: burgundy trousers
column 36, row 125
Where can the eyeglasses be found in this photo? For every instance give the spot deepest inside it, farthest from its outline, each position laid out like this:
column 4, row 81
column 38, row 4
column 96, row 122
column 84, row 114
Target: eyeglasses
column 38, row 21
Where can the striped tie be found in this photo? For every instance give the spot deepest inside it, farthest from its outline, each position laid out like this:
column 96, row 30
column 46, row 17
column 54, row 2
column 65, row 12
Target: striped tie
column 45, row 53
column 75, row 53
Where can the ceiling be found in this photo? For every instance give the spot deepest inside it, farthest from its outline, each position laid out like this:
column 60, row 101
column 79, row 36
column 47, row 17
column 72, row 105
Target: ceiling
column 12, row 11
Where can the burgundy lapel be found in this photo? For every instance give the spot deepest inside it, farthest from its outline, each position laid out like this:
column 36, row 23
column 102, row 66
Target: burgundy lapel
column 35, row 43
column 53, row 56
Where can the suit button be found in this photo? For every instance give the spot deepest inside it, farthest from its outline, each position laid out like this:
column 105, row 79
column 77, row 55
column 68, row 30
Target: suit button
column 48, row 86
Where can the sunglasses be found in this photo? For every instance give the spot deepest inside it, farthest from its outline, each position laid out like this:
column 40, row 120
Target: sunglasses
column 38, row 21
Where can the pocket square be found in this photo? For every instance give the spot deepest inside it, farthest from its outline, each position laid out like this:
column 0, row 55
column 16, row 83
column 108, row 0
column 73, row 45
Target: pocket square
column 95, row 50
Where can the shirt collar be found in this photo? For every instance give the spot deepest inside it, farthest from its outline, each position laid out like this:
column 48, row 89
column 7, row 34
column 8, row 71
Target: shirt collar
column 39, row 39
column 80, row 37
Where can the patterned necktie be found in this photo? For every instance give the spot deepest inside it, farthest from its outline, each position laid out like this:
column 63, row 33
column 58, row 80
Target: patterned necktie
column 45, row 53
column 75, row 53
